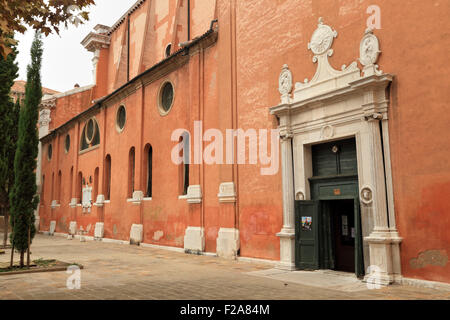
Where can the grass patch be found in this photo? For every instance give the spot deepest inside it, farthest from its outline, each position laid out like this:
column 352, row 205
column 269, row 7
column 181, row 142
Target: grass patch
column 39, row 265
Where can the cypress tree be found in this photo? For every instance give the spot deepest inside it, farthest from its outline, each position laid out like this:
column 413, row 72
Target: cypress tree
column 24, row 198
column 9, row 119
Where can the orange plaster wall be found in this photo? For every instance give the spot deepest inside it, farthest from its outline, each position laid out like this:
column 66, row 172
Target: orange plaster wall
column 269, row 34
column 202, row 13
column 69, row 106
column 412, row 37
column 137, row 31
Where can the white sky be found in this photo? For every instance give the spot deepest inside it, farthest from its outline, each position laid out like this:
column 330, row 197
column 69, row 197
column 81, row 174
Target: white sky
column 65, row 61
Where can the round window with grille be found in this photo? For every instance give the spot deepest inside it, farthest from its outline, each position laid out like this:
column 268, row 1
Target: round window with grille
column 166, row 96
column 90, row 131
column 50, row 152
column 121, row 118
column 67, row 143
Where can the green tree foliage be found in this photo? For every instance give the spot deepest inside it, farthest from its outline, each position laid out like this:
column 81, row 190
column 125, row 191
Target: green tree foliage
column 23, row 198
column 9, row 119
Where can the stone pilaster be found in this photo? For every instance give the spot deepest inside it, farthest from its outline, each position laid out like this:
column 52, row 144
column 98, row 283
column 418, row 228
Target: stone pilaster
column 287, row 233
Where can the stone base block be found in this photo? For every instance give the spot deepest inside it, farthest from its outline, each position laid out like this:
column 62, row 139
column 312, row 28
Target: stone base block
column 37, row 222
column 228, row 243
column 52, row 228
column 287, row 250
column 194, row 194
column 136, row 233
column 194, row 240
column 99, row 230
column 100, row 201
column 73, row 228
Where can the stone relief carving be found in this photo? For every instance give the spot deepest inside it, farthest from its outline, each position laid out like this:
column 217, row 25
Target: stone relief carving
column 285, row 84
column 320, row 45
column 327, row 132
column 369, row 51
column 322, row 39
column 366, row 195
column 86, row 202
column 286, row 135
column 44, row 117
column 300, row 196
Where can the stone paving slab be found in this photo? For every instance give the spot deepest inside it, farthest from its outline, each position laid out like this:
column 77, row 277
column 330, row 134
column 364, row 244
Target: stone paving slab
column 115, row 271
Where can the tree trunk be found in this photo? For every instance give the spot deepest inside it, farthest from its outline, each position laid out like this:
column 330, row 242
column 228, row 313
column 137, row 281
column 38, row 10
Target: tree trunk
column 22, row 258
column 28, row 250
column 12, row 255
column 6, row 226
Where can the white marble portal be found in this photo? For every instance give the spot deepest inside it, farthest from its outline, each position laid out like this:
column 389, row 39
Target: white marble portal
column 336, row 105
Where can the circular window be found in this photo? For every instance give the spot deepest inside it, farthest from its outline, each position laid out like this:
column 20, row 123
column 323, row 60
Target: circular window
column 50, row 152
column 67, row 143
column 121, row 118
column 166, row 98
column 90, row 131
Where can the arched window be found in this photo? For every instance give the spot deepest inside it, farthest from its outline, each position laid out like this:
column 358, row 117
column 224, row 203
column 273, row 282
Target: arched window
column 43, row 190
column 59, row 187
column 131, row 172
column 107, row 177
column 90, row 136
column 184, row 166
column 52, row 193
column 71, row 184
column 95, row 193
column 168, row 50
column 79, row 187
column 148, row 167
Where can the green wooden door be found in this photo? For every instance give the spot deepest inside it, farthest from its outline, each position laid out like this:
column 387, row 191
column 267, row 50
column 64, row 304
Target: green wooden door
column 307, row 235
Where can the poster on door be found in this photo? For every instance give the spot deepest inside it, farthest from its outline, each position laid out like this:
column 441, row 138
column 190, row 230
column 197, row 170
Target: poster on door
column 306, row 223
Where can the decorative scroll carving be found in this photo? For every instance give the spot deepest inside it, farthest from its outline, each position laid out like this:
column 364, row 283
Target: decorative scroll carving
column 320, row 44
column 285, row 135
column 285, row 84
column 369, row 51
column 322, row 39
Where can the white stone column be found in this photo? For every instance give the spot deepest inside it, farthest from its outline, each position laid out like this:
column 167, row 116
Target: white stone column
column 373, row 195
column 287, row 233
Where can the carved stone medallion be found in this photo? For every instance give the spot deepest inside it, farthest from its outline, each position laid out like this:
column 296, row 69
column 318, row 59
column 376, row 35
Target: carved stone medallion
column 322, row 39
column 369, row 49
column 285, row 81
column 366, row 195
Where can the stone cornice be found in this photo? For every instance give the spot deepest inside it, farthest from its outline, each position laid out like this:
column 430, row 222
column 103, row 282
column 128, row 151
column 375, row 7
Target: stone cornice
column 374, row 83
column 96, row 41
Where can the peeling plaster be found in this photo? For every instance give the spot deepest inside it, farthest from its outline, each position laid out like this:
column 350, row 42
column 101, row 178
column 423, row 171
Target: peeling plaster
column 430, row 258
column 158, row 235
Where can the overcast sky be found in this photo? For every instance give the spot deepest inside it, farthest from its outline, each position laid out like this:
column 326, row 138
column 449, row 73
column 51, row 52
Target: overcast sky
column 65, row 61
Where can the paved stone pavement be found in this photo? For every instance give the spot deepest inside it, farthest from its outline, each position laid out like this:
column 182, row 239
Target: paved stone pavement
column 115, row 271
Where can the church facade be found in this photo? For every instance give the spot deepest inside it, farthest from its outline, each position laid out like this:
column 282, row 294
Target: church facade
column 310, row 135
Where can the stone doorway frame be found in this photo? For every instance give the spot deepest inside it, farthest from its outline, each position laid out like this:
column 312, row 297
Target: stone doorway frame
column 336, row 105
